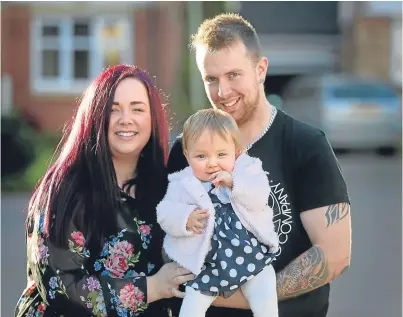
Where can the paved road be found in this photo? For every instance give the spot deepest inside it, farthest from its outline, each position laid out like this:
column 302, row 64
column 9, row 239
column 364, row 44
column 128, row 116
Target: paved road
column 372, row 286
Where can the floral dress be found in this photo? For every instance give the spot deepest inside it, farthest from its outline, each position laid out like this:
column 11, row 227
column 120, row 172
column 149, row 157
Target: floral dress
column 112, row 284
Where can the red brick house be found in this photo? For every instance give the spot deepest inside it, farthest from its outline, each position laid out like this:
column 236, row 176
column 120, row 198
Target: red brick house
column 51, row 50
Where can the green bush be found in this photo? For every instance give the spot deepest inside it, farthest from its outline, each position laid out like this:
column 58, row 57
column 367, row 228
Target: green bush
column 43, row 146
column 18, row 150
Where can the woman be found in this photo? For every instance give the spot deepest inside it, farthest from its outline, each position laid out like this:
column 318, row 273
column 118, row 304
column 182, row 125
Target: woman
column 94, row 246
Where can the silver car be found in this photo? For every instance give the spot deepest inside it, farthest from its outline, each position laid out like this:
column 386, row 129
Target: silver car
column 355, row 113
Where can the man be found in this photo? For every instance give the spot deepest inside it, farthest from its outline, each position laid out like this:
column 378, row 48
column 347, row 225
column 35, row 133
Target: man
column 309, row 195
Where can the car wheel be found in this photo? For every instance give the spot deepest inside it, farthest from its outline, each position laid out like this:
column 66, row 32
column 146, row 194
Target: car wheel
column 386, row 151
column 341, row 151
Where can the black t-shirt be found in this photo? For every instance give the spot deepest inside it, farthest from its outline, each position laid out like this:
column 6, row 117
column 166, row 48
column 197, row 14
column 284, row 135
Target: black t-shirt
column 304, row 174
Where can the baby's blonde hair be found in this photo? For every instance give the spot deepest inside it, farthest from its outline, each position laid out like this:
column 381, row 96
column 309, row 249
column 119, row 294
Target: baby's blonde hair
column 213, row 120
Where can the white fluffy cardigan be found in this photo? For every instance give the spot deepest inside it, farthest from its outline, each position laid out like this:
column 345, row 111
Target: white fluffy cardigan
column 249, row 198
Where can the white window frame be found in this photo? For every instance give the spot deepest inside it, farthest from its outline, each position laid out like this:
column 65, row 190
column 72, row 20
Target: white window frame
column 65, row 83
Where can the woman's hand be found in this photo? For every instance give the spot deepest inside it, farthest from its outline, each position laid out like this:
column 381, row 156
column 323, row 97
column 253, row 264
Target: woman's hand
column 165, row 283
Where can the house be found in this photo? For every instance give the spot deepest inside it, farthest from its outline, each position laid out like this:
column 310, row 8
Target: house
column 316, row 37
column 372, row 44
column 52, row 50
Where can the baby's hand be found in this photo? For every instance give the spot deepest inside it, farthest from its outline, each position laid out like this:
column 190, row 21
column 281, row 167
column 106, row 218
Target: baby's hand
column 222, row 178
column 195, row 223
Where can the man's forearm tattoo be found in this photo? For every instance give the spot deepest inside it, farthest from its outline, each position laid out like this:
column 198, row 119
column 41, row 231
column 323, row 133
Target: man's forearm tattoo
column 306, row 273
column 335, row 213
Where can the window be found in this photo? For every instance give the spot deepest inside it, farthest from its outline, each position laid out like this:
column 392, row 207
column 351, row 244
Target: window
column 68, row 52
column 361, row 91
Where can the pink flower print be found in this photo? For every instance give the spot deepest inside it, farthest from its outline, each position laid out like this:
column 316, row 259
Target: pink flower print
column 122, row 247
column 145, row 230
column 131, row 297
column 31, row 286
column 116, row 264
column 78, row 238
column 41, row 307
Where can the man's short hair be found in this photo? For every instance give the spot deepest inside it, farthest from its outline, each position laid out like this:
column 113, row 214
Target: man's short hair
column 224, row 30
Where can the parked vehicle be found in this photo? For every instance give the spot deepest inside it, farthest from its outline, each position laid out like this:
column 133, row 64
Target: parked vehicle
column 355, row 113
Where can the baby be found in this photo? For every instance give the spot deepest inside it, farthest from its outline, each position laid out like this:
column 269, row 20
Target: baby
column 217, row 221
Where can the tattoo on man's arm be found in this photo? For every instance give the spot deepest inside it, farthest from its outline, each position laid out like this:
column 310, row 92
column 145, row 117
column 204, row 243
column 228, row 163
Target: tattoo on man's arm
column 335, row 213
column 306, row 273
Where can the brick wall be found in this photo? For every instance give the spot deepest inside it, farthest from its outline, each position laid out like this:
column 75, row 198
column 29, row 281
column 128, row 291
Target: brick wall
column 50, row 112
column 366, row 47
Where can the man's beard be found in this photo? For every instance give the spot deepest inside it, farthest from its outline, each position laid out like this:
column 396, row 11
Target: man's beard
column 249, row 110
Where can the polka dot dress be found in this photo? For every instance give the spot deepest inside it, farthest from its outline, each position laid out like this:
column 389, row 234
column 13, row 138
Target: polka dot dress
column 235, row 255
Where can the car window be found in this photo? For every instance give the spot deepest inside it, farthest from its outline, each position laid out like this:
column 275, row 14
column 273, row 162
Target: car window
column 361, row 91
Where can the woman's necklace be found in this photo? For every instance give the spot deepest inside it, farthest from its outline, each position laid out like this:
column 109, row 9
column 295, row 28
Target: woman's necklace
column 273, row 115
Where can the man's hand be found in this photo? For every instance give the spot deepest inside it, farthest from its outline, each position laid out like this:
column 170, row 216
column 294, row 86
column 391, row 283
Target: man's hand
column 222, row 178
column 195, row 222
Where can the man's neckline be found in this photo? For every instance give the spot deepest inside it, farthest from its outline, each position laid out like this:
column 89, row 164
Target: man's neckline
column 270, row 123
